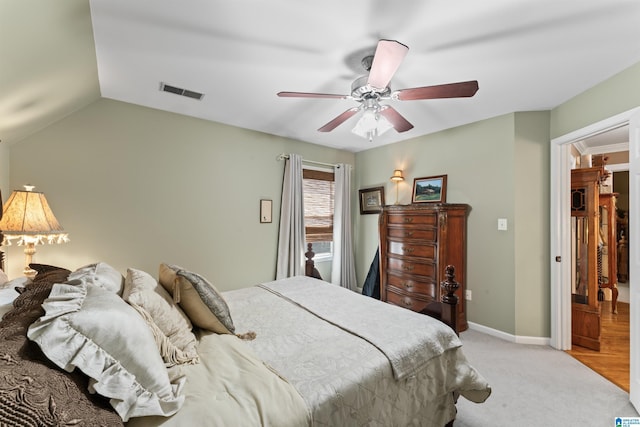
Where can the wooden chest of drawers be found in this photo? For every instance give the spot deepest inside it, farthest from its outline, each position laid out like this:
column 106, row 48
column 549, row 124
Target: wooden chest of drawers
column 417, row 242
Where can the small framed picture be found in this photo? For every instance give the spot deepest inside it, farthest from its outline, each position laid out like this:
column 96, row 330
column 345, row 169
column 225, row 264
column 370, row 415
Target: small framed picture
column 265, row 210
column 431, row 189
column 371, row 200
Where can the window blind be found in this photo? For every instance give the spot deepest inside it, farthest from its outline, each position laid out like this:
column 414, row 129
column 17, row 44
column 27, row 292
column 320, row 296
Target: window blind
column 318, row 188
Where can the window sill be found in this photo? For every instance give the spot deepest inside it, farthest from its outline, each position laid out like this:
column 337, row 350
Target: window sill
column 323, row 257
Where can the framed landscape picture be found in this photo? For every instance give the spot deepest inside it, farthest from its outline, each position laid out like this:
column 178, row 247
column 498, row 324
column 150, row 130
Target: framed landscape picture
column 371, row 200
column 431, row 189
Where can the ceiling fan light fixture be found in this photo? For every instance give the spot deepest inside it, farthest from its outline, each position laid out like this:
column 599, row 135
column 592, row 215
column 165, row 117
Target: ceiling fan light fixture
column 369, row 90
column 371, row 124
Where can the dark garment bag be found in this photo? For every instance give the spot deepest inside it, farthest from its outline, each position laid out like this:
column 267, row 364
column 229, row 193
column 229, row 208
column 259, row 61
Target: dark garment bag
column 371, row 287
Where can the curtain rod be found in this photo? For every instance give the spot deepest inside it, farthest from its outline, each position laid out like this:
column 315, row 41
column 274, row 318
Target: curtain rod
column 286, row 156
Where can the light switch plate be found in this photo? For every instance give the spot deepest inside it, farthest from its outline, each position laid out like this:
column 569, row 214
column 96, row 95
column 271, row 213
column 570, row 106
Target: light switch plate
column 502, row 224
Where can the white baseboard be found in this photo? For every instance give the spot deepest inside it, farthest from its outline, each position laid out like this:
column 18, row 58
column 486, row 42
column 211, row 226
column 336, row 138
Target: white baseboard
column 509, row 337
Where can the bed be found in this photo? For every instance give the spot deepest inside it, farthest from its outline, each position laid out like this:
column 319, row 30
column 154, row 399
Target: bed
column 96, row 347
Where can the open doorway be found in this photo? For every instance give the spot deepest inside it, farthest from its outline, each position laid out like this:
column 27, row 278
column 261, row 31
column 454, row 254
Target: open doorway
column 560, row 236
column 607, row 153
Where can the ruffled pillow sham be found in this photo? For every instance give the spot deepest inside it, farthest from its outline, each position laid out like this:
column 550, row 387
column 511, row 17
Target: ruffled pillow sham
column 96, row 331
column 102, row 275
column 171, row 328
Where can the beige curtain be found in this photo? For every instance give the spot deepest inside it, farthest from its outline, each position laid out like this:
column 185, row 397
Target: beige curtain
column 343, row 271
column 291, row 236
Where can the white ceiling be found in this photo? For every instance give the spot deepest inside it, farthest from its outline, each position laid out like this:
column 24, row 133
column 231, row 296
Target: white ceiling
column 612, row 141
column 527, row 55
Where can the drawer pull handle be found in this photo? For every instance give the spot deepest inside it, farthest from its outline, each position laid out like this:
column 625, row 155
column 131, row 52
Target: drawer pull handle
column 408, row 233
column 408, row 219
column 408, row 285
column 407, row 249
column 407, row 303
column 407, row 267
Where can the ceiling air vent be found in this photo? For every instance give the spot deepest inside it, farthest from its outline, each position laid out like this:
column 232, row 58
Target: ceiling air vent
column 179, row 91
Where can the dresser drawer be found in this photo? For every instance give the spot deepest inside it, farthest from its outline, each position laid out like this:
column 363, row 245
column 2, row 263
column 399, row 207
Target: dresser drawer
column 413, row 285
column 426, row 219
column 405, row 301
column 406, row 266
column 426, row 234
column 411, row 249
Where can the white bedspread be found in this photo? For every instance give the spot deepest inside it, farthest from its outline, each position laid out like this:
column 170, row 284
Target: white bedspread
column 344, row 379
column 380, row 324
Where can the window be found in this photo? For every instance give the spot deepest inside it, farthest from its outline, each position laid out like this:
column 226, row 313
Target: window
column 318, row 188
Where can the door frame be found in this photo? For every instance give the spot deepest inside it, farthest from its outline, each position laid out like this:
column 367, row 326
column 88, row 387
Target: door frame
column 560, row 223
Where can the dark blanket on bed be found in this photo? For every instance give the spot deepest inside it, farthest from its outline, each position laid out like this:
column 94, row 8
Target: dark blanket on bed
column 33, row 391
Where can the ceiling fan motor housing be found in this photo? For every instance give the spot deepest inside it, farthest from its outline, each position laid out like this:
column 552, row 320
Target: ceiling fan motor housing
column 360, row 89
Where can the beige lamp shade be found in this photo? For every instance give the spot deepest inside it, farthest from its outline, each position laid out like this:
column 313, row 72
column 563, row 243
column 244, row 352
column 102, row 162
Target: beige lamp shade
column 28, row 218
column 397, row 175
column 27, row 212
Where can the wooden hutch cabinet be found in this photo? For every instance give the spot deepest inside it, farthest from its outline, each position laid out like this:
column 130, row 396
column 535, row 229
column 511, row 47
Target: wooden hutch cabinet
column 594, row 248
column 417, row 242
column 585, row 309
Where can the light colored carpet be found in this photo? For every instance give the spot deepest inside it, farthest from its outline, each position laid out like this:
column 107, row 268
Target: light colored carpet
column 535, row 386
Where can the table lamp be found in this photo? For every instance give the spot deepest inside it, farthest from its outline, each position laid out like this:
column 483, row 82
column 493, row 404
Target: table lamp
column 27, row 218
column 397, row 177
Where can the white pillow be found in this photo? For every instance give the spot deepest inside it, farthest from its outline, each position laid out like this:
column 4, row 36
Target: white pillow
column 171, row 328
column 8, row 293
column 96, row 331
column 100, row 274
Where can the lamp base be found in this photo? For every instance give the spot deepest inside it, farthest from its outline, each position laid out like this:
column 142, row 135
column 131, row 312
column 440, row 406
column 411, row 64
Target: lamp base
column 29, row 272
column 29, row 251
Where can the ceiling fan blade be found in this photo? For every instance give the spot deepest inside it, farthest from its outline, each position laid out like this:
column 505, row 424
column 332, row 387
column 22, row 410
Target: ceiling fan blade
column 450, row 90
column 400, row 124
column 389, row 54
column 339, row 120
column 311, row 95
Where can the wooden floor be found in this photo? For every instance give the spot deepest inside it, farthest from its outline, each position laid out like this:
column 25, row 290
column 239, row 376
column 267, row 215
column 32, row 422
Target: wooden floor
column 612, row 361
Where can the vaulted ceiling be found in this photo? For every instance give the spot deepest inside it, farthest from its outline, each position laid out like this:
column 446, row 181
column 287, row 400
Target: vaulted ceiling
column 526, row 55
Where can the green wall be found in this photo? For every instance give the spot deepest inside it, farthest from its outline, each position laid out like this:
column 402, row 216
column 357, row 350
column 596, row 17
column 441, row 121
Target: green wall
column 616, row 95
column 484, row 163
column 531, row 225
column 135, row 187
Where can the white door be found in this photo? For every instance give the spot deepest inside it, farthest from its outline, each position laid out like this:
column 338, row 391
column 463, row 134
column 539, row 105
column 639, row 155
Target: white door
column 634, row 257
column 560, row 269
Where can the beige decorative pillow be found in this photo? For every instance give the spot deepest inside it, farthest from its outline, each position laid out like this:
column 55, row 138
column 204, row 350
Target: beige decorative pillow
column 170, row 326
column 199, row 299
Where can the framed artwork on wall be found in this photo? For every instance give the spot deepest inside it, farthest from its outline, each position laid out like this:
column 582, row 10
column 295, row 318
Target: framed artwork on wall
column 430, row 189
column 371, row 200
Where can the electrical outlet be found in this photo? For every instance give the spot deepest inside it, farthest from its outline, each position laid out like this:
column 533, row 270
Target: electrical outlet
column 467, row 295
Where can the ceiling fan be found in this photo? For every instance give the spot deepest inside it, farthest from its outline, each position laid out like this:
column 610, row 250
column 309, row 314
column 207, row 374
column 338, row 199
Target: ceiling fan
column 369, row 90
